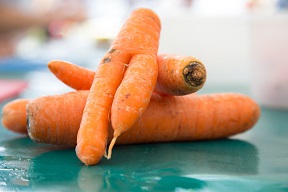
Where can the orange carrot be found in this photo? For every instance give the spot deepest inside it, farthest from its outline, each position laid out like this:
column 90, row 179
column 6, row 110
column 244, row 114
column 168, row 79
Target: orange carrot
column 177, row 75
column 171, row 76
column 180, row 75
column 49, row 110
column 56, row 119
column 133, row 95
column 138, row 36
column 14, row 115
column 76, row 77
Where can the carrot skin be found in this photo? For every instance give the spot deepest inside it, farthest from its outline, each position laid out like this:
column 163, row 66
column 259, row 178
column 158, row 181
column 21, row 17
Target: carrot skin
column 193, row 117
column 58, row 115
column 14, row 115
column 166, row 119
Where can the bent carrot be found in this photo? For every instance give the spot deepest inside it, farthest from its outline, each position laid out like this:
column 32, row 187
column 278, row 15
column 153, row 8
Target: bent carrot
column 177, row 75
column 166, row 119
column 138, row 35
column 14, row 115
column 133, row 95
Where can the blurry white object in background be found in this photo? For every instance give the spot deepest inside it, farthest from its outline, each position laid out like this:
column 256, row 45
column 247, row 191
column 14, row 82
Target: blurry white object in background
column 221, row 43
column 219, row 7
column 269, row 48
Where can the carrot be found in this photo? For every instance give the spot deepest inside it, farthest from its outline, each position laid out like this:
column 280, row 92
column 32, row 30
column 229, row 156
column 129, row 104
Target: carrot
column 14, row 115
column 72, row 75
column 166, row 119
column 180, row 75
column 60, row 114
column 177, row 75
column 137, row 41
column 171, row 76
column 133, row 95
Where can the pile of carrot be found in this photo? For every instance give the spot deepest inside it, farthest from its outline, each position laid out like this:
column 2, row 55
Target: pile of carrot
column 134, row 96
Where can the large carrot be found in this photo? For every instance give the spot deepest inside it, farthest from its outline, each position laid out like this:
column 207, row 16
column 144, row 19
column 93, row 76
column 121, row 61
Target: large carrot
column 56, row 119
column 177, row 75
column 14, row 115
column 138, row 39
column 48, row 110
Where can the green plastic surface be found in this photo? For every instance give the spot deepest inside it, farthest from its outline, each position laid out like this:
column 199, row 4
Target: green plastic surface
column 256, row 160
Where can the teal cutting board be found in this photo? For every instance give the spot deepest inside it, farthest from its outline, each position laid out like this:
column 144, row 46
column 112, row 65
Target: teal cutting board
column 256, row 160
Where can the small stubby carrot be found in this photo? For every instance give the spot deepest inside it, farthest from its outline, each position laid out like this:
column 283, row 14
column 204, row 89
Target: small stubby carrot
column 139, row 35
column 14, row 115
column 166, row 119
column 177, row 75
column 180, row 75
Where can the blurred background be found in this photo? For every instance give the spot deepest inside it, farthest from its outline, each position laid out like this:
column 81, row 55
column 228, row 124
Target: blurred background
column 243, row 43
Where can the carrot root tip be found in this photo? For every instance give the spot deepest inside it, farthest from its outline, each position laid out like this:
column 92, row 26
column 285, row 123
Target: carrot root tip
column 111, row 147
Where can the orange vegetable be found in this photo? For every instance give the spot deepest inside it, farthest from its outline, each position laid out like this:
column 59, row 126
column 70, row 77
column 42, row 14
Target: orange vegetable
column 133, row 95
column 137, row 41
column 74, row 76
column 14, row 116
column 56, row 119
column 59, row 114
column 177, row 75
column 171, row 79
